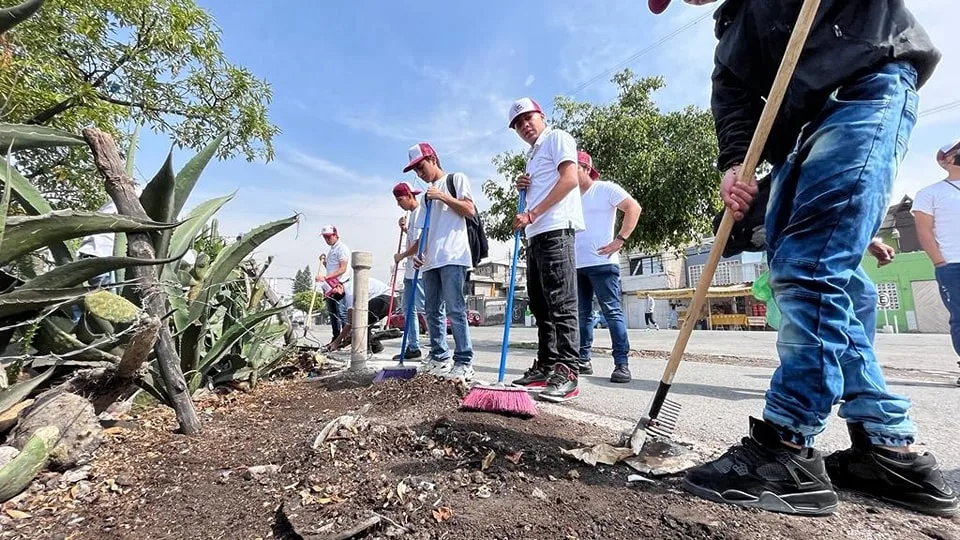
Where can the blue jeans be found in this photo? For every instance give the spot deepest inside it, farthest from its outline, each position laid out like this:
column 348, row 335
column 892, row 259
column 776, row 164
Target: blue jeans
column 604, row 281
column 948, row 277
column 413, row 340
column 338, row 315
column 445, row 285
column 827, row 200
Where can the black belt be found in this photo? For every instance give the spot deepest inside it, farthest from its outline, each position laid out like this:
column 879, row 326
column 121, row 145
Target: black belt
column 559, row 232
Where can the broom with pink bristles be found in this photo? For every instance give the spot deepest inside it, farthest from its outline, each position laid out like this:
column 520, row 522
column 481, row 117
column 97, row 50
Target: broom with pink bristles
column 499, row 398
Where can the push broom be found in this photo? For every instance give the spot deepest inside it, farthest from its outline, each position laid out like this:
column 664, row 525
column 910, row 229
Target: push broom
column 400, row 371
column 661, row 419
column 499, row 398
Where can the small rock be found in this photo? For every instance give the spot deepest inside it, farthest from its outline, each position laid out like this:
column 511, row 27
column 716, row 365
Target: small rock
column 936, row 533
column 573, row 474
column 483, row 492
column 437, row 453
column 552, row 478
column 7, row 453
column 258, row 471
column 539, row 494
column 126, row 480
column 75, row 475
column 478, row 477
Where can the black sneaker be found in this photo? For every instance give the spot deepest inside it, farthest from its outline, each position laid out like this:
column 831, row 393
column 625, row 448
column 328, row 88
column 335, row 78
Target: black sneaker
column 913, row 481
column 561, row 384
column 376, row 347
column 621, row 374
column 411, row 355
column 762, row 473
column 586, row 368
column 533, row 378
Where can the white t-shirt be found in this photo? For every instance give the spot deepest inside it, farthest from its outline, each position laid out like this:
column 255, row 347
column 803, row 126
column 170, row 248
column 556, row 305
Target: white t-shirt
column 650, row 304
column 339, row 252
column 414, row 226
column 942, row 201
column 553, row 147
column 375, row 288
column 599, row 216
column 447, row 243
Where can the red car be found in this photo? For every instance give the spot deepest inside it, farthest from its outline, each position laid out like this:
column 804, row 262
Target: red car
column 398, row 320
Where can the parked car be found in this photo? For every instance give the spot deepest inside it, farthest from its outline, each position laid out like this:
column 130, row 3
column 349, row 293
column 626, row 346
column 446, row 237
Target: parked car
column 399, row 318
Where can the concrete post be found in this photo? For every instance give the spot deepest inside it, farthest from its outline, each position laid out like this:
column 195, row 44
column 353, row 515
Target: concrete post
column 361, row 263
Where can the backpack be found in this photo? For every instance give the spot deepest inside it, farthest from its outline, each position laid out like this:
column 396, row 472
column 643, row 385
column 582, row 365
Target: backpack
column 476, row 236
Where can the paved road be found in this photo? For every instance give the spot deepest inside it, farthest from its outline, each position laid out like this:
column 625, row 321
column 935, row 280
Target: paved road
column 718, row 398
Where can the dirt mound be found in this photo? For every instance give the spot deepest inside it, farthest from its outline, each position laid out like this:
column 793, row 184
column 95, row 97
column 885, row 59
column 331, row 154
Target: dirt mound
column 411, row 466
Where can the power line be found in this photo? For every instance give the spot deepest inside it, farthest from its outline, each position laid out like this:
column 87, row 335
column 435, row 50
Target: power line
column 949, row 106
column 630, row 59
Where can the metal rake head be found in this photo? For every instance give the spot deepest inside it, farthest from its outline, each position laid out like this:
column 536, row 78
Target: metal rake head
column 666, row 421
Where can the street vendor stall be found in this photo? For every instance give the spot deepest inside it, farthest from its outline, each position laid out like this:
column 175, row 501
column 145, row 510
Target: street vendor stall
column 729, row 307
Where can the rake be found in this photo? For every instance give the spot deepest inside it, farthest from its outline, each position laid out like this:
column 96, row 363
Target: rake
column 663, row 415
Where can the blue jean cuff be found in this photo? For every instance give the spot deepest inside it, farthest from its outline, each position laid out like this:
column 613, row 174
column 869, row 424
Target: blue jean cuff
column 790, row 434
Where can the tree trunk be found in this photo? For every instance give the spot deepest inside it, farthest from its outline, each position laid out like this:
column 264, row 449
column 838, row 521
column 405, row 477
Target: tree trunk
column 121, row 384
column 121, row 189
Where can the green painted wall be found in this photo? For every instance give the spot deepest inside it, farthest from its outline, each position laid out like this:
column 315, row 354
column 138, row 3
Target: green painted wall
column 905, row 268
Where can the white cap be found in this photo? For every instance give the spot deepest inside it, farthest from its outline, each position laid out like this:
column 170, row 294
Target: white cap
column 948, row 148
column 521, row 106
column 329, row 230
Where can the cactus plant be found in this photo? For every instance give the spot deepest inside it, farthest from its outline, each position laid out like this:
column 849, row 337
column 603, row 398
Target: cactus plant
column 111, row 307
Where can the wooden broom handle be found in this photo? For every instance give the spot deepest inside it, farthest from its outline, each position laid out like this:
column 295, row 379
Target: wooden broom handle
column 746, row 175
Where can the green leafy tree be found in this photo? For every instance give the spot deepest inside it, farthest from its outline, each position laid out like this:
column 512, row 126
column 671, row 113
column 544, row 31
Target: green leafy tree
column 110, row 63
column 301, row 301
column 664, row 160
column 303, row 281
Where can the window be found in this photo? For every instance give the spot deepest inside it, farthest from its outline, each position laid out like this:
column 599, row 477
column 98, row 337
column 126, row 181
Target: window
column 728, row 273
column 887, row 296
column 646, row 266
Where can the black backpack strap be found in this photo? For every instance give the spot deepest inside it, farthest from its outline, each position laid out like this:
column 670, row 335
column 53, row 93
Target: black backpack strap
column 450, row 186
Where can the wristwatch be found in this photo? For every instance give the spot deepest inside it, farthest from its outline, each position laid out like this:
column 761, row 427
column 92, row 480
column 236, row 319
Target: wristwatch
column 620, row 238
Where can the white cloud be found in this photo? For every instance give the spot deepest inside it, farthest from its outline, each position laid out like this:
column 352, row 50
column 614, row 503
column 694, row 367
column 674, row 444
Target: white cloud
column 529, row 81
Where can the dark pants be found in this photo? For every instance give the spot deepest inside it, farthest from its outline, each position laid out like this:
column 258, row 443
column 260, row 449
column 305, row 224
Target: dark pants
column 948, row 277
column 376, row 310
column 338, row 315
column 648, row 319
column 552, row 287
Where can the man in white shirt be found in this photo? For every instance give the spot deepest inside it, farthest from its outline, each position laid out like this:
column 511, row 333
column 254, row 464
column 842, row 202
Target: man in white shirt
column 552, row 217
column 936, row 210
column 598, row 263
column 445, row 261
column 649, row 306
column 336, row 264
column 378, row 299
column 407, row 199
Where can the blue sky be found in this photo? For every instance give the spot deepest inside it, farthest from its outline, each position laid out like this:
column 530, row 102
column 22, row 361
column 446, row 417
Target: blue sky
column 354, row 86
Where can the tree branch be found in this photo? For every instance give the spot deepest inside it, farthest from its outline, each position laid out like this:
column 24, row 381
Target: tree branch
column 149, row 108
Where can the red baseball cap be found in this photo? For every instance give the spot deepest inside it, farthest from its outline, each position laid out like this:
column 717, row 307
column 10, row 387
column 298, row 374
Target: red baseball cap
column 587, row 161
column 521, row 106
column 417, row 153
column 404, row 189
column 658, row 6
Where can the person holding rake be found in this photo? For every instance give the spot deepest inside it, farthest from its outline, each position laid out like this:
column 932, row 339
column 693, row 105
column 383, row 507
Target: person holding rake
column 835, row 147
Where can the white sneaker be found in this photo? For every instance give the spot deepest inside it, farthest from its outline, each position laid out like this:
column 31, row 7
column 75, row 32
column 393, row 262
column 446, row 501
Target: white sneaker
column 463, row 372
column 436, row 367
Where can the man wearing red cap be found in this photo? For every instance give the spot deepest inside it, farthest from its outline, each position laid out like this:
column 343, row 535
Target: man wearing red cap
column 406, row 198
column 335, row 265
column 840, row 135
column 446, row 259
column 598, row 263
column 936, row 209
column 551, row 220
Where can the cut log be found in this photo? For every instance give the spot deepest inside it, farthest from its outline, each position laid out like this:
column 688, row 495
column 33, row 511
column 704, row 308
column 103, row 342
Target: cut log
column 17, row 475
column 8, row 418
column 120, row 187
